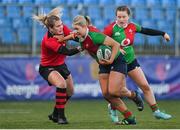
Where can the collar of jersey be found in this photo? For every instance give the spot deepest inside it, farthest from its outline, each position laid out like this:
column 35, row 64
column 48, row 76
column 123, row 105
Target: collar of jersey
column 120, row 26
column 50, row 35
column 82, row 39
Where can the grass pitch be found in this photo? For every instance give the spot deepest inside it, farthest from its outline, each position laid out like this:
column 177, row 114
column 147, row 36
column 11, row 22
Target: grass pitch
column 82, row 114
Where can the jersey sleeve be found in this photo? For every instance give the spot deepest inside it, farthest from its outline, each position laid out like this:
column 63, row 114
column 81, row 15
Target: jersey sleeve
column 97, row 38
column 108, row 30
column 66, row 30
column 53, row 44
column 138, row 27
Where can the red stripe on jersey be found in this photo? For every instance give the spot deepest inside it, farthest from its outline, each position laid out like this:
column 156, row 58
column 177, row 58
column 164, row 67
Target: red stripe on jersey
column 88, row 43
column 108, row 30
column 130, row 32
column 93, row 29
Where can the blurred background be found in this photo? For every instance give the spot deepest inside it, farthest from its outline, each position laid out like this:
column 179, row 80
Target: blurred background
column 20, row 39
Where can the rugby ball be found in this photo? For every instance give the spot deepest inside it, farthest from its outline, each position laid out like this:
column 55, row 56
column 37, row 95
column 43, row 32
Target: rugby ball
column 104, row 52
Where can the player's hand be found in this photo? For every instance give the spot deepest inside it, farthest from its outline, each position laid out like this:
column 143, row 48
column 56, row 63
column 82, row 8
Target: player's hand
column 166, row 37
column 60, row 38
column 80, row 48
column 122, row 51
column 73, row 34
column 105, row 62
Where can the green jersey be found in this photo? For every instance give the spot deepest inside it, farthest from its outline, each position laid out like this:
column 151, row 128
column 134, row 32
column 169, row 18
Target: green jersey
column 93, row 39
column 125, row 37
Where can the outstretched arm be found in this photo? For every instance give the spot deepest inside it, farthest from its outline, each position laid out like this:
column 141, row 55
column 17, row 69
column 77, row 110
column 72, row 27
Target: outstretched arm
column 154, row 32
column 66, row 51
column 66, row 38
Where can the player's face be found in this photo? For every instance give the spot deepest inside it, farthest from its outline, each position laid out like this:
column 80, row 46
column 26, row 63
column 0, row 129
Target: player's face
column 80, row 30
column 57, row 28
column 122, row 18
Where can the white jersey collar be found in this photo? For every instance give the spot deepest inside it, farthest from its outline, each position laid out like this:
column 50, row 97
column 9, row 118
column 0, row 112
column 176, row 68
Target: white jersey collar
column 83, row 38
column 121, row 26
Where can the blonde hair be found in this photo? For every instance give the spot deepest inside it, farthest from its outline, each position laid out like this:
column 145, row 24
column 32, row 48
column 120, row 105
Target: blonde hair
column 79, row 20
column 49, row 19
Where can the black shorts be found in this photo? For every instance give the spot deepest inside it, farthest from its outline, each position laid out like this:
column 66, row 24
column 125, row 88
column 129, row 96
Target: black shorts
column 132, row 65
column 46, row 70
column 118, row 65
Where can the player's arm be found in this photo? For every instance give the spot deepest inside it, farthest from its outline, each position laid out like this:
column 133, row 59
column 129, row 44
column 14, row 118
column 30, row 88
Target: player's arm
column 66, row 38
column 115, row 47
column 66, row 51
column 52, row 44
column 154, row 32
column 68, row 33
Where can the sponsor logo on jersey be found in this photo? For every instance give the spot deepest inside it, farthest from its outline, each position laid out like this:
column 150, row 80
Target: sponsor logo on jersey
column 125, row 42
column 130, row 31
column 117, row 34
column 87, row 45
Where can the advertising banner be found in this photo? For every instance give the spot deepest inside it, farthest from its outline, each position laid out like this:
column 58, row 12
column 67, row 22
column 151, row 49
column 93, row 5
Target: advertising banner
column 20, row 79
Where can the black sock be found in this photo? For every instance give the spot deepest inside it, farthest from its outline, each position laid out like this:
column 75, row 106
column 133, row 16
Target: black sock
column 55, row 112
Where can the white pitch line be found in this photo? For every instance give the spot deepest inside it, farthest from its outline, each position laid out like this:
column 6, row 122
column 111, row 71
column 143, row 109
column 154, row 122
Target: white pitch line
column 12, row 111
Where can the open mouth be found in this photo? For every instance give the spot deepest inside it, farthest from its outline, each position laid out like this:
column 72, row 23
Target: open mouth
column 122, row 23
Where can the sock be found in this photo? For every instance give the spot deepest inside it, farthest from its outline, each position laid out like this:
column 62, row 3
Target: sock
column 127, row 114
column 55, row 112
column 154, row 107
column 112, row 107
column 60, row 101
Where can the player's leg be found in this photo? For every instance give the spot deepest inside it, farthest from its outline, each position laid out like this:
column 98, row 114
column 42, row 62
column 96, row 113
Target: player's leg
column 121, row 67
column 69, row 91
column 116, row 82
column 103, row 80
column 138, row 76
column 69, row 80
column 134, row 96
column 57, row 80
column 65, row 73
column 70, row 87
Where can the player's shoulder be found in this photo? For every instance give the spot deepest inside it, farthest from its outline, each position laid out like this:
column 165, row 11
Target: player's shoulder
column 111, row 25
column 93, row 29
column 133, row 24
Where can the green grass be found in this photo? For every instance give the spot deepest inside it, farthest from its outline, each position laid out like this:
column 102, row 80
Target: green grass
column 84, row 114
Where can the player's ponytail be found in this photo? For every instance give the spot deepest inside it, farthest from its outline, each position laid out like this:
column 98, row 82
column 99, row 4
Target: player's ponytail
column 49, row 19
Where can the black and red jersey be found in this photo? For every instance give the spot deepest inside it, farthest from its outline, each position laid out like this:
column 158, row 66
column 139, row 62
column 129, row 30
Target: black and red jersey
column 49, row 49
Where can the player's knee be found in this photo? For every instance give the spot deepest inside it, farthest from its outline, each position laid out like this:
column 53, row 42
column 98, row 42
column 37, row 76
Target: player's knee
column 114, row 93
column 70, row 91
column 124, row 92
column 61, row 84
